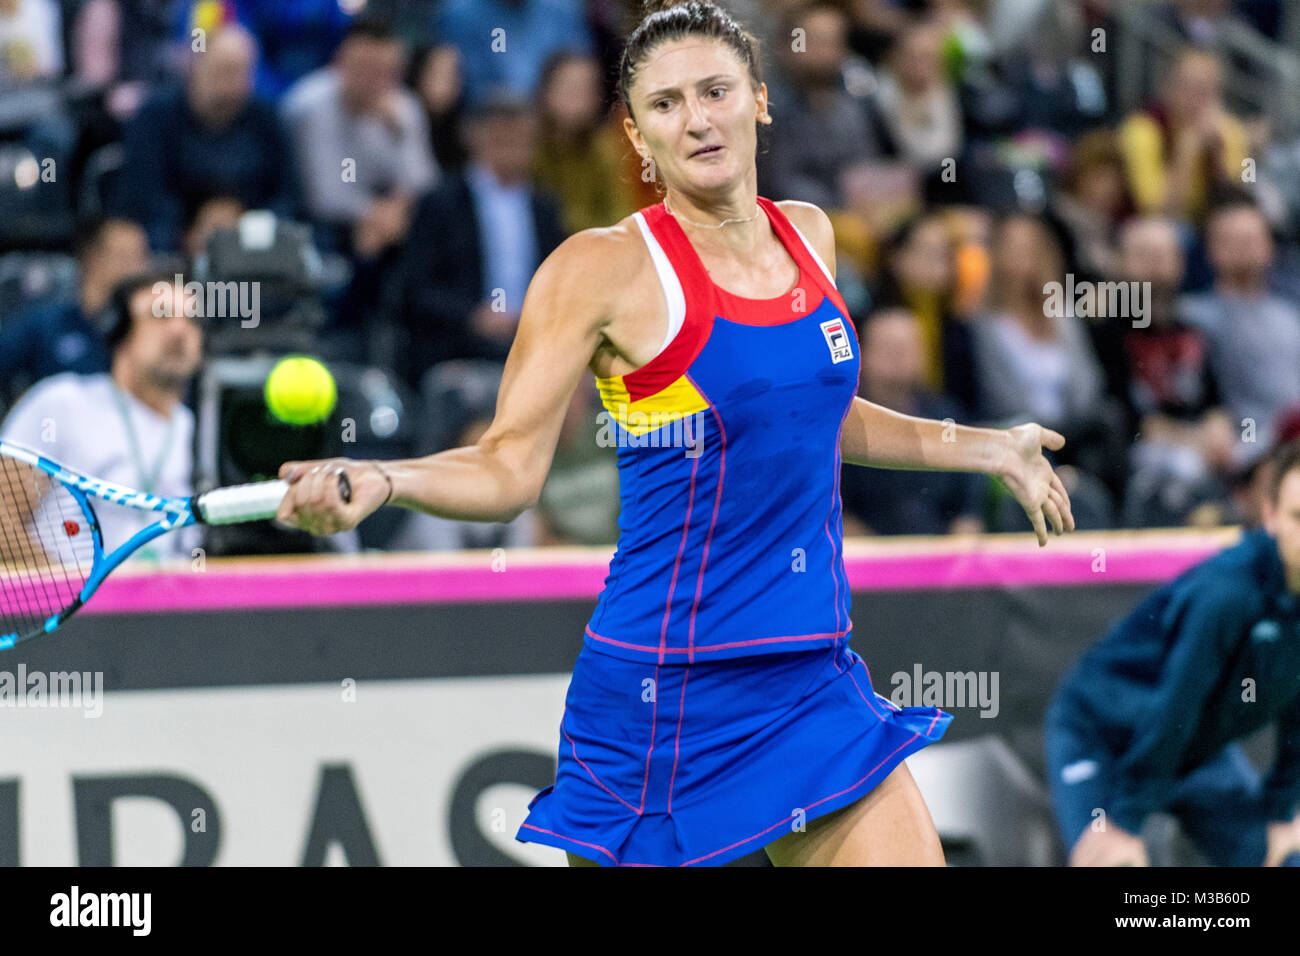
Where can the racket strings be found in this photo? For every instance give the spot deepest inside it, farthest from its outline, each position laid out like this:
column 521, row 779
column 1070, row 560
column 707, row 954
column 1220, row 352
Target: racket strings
column 46, row 548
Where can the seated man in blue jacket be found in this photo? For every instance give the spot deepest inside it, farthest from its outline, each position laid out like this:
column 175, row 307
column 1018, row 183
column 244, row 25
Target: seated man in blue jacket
column 65, row 335
column 1150, row 718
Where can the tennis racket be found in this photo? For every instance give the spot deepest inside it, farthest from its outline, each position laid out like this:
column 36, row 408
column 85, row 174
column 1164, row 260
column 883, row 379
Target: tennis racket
column 52, row 552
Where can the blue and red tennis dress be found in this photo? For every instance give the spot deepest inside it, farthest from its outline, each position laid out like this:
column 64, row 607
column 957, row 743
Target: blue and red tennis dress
column 716, row 705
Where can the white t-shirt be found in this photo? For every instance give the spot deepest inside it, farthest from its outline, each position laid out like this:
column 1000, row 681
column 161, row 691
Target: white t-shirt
column 75, row 420
column 1042, row 368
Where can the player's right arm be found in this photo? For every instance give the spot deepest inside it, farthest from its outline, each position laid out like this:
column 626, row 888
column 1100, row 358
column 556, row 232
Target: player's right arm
column 568, row 306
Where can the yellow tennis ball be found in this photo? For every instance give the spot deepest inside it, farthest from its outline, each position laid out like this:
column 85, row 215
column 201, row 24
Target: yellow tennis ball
column 300, row 390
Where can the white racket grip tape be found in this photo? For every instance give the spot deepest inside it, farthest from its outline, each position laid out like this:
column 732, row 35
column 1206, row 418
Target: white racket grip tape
column 252, row 502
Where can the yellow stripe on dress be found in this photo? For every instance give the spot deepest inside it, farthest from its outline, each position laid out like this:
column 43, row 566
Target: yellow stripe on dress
column 645, row 415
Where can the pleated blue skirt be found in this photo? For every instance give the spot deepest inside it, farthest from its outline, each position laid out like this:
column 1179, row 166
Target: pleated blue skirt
column 695, row 765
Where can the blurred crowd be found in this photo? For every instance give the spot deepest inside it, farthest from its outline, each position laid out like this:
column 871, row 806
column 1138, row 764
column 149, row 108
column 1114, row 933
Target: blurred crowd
column 973, row 155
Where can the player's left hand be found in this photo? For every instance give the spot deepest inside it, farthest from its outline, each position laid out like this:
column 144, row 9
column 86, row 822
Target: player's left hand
column 1029, row 477
column 1283, row 840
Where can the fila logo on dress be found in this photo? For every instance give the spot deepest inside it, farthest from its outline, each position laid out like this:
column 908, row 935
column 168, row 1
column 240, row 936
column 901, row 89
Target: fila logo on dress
column 837, row 340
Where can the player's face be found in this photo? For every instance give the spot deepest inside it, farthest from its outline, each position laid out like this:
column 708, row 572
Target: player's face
column 1283, row 521
column 695, row 111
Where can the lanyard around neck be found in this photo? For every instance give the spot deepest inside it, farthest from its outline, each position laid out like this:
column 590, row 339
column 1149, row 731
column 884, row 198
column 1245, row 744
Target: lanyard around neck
column 148, row 480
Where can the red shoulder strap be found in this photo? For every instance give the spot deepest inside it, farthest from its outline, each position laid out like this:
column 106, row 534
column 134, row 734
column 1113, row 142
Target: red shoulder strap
column 808, row 263
column 697, row 292
column 697, row 287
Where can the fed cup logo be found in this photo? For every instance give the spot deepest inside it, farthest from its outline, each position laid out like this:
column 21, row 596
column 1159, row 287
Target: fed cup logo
column 837, row 340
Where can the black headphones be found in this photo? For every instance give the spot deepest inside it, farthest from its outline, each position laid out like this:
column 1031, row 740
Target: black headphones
column 114, row 319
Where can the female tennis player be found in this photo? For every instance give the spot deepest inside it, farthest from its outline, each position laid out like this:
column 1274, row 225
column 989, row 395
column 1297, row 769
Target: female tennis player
column 716, row 706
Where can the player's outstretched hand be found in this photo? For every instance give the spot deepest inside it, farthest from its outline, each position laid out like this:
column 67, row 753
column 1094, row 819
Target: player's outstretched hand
column 313, row 502
column 1030, row 478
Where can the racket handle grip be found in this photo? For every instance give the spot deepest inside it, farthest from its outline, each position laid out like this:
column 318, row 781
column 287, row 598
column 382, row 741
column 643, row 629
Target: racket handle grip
column 251, row 502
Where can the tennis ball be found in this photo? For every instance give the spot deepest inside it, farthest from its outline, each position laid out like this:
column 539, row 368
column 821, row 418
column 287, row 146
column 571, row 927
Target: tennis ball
column 300, row 390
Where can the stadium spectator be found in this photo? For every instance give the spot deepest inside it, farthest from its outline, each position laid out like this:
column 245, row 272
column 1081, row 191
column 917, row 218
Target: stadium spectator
column 67, row 336
column 1278, row 186
column 1054, row 89
column 294, row 37
column 1197, row 22
column 437, row 81
column 128, row 425
column 1254, row 334
column 505, row 43
column 1181, row 458
column 120, row 52
column 875, row 26
column 211, row 135
column 124, row 47
column 1034, row 362
column 965, row 29
column 1151, row 719
column 1185, row 144
column 577, row 158
column 880, row 501
column 820, row 127
column 1091, row 202
column 475, row 242
column 918, row 273
column 919, row 107
column 206, row 215
column 1251, row 484
column 31, row 42
column 361, row 143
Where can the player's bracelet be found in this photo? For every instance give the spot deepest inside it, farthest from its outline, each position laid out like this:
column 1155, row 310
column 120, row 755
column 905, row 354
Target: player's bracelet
column 388, row 478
